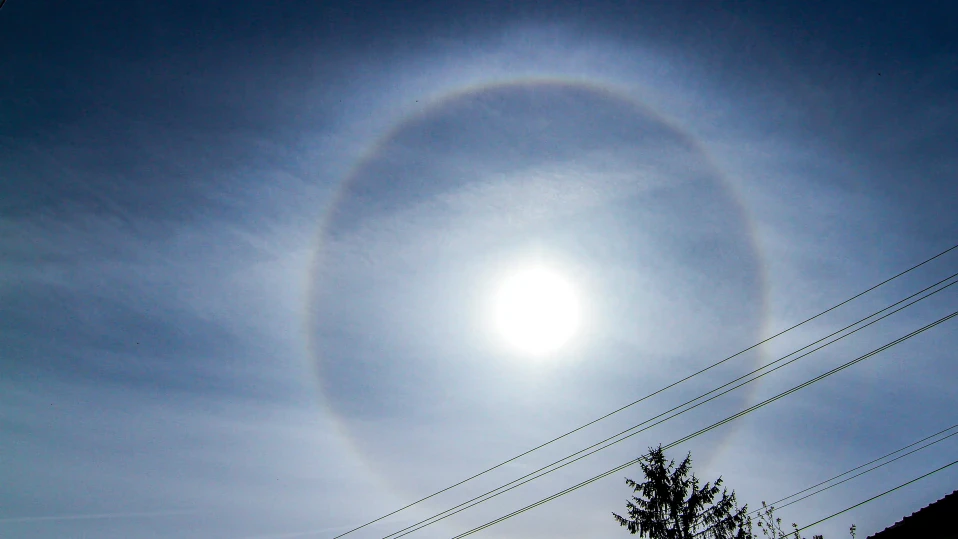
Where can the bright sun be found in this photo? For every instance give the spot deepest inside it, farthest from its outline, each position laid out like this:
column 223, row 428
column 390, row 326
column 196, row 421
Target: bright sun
column 536, row 311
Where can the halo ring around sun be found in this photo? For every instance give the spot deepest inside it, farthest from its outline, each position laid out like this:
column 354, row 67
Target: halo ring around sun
column 534, row 346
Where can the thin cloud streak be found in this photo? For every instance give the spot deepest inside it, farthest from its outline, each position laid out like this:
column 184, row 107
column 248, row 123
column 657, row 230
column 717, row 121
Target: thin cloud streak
column 159, row 250
column 96, row 516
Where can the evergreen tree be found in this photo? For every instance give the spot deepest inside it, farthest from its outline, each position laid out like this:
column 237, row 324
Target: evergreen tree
column 671, row 504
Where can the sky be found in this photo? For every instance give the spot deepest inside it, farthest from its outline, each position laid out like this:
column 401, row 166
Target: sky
column 250, row 253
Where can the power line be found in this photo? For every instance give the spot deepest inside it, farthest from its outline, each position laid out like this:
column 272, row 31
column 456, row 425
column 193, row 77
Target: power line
column 873, row 468
column 646, row 397
column 516, row 482
column 623, row 435
column 859, row 504
column 712, row 426
column 774, row 505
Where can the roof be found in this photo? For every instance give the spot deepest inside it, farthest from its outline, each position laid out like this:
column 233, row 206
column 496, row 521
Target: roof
column 934, row 520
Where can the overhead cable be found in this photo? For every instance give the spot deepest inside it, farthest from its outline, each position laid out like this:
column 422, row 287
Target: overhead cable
column 711, row 427
column 646, row 397
column 859, row 504
column 651, row 422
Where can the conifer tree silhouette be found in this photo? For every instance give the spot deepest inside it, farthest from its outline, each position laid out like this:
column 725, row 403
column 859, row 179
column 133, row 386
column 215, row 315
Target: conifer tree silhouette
column 671, row 504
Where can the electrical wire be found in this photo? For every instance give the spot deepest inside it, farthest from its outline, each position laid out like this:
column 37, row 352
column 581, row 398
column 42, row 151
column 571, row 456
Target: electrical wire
column 873, row 468
column 648, row 424
column 650, row 395
column 774, row 505
column 710, row 427
column 859, row 504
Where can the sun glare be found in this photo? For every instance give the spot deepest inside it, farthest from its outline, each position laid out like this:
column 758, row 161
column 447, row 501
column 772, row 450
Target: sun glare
column 536, row 311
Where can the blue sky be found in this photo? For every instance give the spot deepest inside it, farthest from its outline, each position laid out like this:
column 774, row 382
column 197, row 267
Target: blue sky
column 248, row 253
